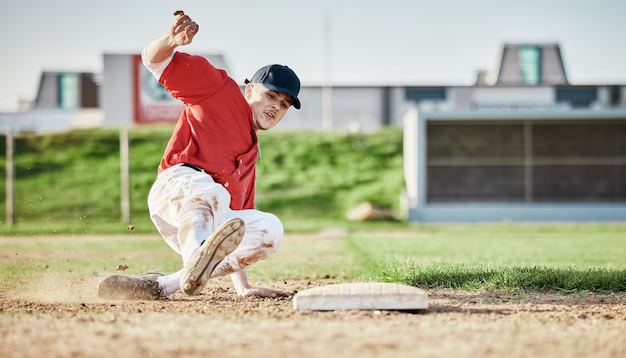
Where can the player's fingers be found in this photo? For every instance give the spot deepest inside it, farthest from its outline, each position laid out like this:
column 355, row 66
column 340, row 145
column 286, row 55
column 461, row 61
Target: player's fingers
column 182, row 27
column 192, row 29
column 266, row 293
column 179, row 12
column 181, row 21
column 279, row 293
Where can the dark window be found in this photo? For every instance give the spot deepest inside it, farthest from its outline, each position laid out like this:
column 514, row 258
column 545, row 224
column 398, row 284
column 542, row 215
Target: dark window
column 577, row 97
column 418, row 94
column 615, row 96
column 386, row 106
column 88, row 91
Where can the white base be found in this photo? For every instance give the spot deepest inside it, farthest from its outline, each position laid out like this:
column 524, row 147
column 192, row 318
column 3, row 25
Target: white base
column 361, row 296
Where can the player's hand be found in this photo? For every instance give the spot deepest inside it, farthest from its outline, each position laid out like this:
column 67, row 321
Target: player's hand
column 263, row 292
column 183, row 30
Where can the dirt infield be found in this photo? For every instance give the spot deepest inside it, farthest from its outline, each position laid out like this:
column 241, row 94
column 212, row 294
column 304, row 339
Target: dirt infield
column 219, row 323
column 53, row 311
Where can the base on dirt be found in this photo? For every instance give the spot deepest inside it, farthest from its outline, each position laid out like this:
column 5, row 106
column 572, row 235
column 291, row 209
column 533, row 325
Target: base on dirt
column 361, row 296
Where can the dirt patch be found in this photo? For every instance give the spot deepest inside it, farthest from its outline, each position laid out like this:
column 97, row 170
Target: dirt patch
column 220, row 323
column 67, row 254
column 82, row 238
column 59, row 314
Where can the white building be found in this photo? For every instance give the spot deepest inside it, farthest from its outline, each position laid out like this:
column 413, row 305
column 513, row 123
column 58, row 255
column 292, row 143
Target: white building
column 530, row 147
column 520, row 144
column 125, row 94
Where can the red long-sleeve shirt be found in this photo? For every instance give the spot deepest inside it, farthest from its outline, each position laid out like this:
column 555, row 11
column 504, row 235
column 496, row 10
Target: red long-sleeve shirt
column 214, row 131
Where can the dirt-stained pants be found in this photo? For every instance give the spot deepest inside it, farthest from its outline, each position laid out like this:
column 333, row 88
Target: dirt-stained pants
column 187, row 205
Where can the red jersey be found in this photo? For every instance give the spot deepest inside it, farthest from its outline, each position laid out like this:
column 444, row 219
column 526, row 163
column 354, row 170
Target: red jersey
column 214, row 131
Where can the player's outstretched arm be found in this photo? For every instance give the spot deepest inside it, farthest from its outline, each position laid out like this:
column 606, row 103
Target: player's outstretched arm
column 181, row 33
column 240, row 280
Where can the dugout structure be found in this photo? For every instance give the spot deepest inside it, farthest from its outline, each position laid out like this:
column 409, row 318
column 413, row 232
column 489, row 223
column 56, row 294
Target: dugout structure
column 520, row 165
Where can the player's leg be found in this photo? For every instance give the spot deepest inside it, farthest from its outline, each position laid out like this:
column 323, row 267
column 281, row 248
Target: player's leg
column 163, row 202
column 205, row 233
column 192, row 203
column 263, row 236
column 185, row 206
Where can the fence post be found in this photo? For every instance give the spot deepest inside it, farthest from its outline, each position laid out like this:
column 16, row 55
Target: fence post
column 10, row 213
column 124, row 175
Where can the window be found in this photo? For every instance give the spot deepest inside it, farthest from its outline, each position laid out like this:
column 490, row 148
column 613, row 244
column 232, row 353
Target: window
column 615, row 96
column 577, row 96
column 418, row 94
column 68, row 90
column 530, row 65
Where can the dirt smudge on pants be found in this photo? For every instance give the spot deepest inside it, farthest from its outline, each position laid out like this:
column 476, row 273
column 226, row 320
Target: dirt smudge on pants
column 223, row 269
column 259, row 254
column 178, row 200
column 215, row 203
column 204, row 207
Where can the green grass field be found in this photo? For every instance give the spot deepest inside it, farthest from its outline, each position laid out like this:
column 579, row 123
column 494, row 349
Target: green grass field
column 67, row 190
column 70, row 182
column 504, row 257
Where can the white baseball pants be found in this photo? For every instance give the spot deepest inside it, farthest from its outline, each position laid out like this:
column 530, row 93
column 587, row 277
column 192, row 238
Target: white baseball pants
column 187, row 205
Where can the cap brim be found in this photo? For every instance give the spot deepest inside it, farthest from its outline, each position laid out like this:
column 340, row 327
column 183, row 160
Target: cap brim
column 296, row 101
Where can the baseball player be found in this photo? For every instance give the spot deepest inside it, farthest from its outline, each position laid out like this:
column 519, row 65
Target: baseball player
column 202, row 201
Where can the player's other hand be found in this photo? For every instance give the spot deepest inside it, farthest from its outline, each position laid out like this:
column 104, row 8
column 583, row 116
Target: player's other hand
column 183, row 30
column 263, row 292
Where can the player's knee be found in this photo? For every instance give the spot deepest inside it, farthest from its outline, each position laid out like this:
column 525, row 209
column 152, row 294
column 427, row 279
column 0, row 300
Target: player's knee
column 274, row 228
column 198, row 216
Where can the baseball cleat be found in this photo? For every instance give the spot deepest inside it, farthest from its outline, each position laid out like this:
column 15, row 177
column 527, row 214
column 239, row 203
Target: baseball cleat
column 220, row 244
column 144, row 287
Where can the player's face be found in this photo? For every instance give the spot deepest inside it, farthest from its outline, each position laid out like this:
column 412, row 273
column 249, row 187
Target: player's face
column 268, row 107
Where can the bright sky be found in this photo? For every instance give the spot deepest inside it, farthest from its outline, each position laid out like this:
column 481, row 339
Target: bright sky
column 373, row 42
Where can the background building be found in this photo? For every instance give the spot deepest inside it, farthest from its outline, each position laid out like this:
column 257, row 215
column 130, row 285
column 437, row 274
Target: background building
column 521, row 143
column 530, row 76
column 64, row 100
column 528, row 147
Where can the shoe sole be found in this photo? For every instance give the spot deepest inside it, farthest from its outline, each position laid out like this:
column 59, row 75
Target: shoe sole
column 219, row 245
column 119, row 287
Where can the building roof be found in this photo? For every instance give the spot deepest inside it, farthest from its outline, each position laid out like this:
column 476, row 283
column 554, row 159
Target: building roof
column 531, row 64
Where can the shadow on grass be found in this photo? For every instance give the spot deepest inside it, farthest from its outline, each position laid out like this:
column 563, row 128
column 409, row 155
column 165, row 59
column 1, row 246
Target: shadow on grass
column 505, row 278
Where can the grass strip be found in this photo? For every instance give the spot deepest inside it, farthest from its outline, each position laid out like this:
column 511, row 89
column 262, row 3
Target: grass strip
column 73, row 177
column 505, row 278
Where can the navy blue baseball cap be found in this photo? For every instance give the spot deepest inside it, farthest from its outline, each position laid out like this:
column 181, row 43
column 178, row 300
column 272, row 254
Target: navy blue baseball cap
column 279, row 78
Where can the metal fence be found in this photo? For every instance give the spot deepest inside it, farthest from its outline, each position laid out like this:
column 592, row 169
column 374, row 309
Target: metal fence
column 526, row 161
